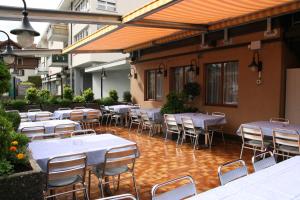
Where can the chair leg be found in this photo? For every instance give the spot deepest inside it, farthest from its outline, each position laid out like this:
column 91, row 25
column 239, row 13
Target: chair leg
column 223, row 137
column 242, row 151
column 74, row 193
column 100, row 185
column 130, row 126
column 86, row 196
column 135, row 187
column 183, row 136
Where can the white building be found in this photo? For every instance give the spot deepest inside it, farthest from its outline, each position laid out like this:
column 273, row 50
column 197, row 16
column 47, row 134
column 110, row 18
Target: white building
column 85, row 69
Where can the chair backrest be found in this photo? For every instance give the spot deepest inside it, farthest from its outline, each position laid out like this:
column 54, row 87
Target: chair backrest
column 260, row 161
column 145, row 118
column 67, row 166
column 84, row 132
column 119, row 197
column 252, row 133
column 187, row 189
column 79, row 107
column 76, row 115
column 33, row 130
column 218, row 114
column 64, row 108
column 93, row 114
column 119, row 157
column 235, row 169
column 280, row 120
column 188, row 126
column 64, row 128
column 44, row 136
column 171, row 123
column 43, row 116
column 132, row 113
column 286, row 137
column 34, row 110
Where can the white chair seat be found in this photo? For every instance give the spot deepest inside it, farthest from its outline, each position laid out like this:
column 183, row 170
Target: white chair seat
column 289, row 149
column 177, row 194
column 64, row 181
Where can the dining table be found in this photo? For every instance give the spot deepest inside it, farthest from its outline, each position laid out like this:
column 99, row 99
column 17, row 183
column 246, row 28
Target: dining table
column 65, row 114
column 31, row 115
column 278, row 182
column 94, row 146
column 121, row 109
column 267, row 127
column 48, row 124
column 153, row 113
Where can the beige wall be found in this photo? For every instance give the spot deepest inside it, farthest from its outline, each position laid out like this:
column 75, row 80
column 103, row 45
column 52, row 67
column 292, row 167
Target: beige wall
column 256, row 102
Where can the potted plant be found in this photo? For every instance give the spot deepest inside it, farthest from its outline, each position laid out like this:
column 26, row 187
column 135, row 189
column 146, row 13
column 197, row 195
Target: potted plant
column 127, row 97
column 20, row 176
column 191, row 90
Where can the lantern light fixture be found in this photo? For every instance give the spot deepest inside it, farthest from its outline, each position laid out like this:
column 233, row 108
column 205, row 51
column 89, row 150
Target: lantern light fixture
column 7, row 54
column 25, row 33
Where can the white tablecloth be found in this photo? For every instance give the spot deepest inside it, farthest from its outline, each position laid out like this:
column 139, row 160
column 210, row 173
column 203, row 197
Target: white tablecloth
column 61, row 114
column 31, row 115
column 201, row 120
column 123, row 109
column 95, row 146
column 153, row 113
column 267, row 127
column 49, row 125
column 279, row 182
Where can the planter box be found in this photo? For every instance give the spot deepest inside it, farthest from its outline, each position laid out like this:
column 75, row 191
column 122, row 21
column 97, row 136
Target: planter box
column 27, row 185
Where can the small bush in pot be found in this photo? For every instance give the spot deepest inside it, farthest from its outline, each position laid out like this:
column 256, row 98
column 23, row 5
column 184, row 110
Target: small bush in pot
column 127, row 96
column 68, row 93
column 191, row 90
column 174, row 104
column 107, row 101
column 88, row 95
column 43, row 95
column 13, row 117
column 114, row 95
column 32, row 95
column 78, row 99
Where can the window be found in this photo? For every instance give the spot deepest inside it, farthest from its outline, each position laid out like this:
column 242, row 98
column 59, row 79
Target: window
column 222, row 83
column 179, row 77
column 82, row 6
column 154, row 85
column 81, row 34
column 107, row 5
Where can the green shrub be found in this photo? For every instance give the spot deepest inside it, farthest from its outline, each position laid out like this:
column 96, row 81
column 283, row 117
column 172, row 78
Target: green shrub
column 68, row 93
column 127, row 96
column 17, row 104
column 14, row 118
column 78, row 99
column 44, row 95
column 88, row 95
column 4, row 78
column 53, row 100
column 6, row 168
column 174, row 104
column 64, row 102
column 5, row 137
column 32, row 95
column 36, row 81
column 107, row 101
column 114, row 95
column 191, row 90
column 26, row 83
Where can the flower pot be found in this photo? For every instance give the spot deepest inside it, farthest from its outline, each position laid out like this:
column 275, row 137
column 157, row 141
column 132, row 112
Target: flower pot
column 27, row 185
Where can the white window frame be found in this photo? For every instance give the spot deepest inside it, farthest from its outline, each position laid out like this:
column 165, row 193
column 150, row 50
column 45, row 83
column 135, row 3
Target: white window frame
column 107, row 5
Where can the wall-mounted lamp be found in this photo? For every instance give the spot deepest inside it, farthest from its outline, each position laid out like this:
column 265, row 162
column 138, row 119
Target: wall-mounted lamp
column 7, row 54
column 162, row 70
column 256, row 65
column 194, row 68
column 25, row 33
column 134, row 74
column 103, row 74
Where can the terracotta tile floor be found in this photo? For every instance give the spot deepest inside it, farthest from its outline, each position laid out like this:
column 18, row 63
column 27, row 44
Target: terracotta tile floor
column 161, row 161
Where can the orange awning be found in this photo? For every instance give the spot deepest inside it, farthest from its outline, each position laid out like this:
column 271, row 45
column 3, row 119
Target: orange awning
column 183, row 15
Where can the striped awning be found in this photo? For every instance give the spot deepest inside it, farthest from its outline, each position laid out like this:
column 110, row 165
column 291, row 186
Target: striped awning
column 168, row 20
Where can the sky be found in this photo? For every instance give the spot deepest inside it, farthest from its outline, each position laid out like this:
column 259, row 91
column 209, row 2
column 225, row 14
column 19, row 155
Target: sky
column 7, row 26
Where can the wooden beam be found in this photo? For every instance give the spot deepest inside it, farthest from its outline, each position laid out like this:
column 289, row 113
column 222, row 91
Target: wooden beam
column 37, row 52
column 58, row 16
column 165, row 24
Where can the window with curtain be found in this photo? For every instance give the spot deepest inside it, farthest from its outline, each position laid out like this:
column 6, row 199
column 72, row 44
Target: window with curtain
column 181, row 76
column 154, row 85
column 222, row 83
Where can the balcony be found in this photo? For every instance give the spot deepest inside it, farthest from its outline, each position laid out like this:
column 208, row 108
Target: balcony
column 58, row 32
column 57, row 61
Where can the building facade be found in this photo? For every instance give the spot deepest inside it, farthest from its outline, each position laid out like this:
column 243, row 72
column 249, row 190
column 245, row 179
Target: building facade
column 84, row 70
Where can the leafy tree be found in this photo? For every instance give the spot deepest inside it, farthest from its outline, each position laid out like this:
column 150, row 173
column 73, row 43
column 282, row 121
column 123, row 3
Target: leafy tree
column 114, row 95
column 68, row 93
column 88, row 95
column 32, row 95
column 44, row 95
column 127, row 96
column 4, row 78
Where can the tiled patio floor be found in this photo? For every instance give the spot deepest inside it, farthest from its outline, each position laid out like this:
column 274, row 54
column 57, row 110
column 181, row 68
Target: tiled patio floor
column 161, row 161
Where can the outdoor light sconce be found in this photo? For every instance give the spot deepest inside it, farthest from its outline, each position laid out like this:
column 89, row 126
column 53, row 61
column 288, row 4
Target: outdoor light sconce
column 25, row 33
column 7, row 54
column 194, row 68
column 256, row 65
column 161, row 67
column 103, row 74
column 134, row 74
